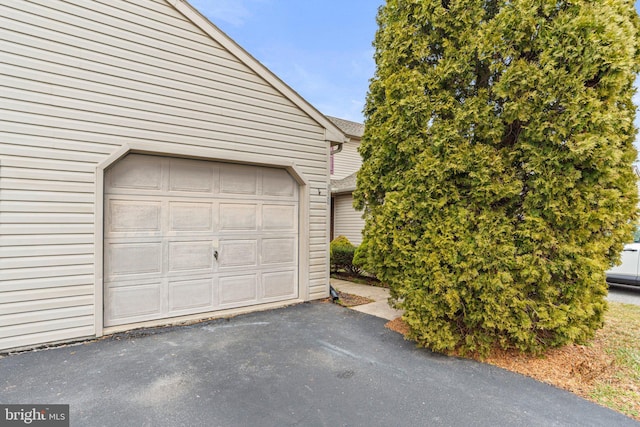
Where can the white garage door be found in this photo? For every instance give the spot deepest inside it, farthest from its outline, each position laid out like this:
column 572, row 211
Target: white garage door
column 190, row 236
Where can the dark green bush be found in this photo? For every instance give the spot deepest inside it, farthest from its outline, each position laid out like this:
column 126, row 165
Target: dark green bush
column 342, row 252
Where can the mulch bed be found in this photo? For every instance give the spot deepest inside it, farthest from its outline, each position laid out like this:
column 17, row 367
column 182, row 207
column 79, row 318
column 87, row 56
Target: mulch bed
column 350, row 300
column 398, row 325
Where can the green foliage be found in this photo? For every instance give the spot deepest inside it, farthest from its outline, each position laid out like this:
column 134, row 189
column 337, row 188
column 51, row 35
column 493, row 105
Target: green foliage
column 341, row 255
column 497, row 183
column 360, row 259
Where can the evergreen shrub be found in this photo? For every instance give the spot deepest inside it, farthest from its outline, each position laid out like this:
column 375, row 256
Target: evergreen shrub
column 497, row 185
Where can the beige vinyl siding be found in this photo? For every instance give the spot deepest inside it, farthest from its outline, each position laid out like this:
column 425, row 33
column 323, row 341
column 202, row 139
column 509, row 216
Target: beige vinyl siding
column 78, row 80
column 347, row 222
column 346, row 161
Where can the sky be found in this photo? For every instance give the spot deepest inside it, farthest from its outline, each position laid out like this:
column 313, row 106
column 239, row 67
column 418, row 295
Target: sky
column 320, row 48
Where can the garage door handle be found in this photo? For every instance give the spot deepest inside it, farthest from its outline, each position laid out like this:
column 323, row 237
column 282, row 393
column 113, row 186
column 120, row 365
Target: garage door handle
column 624, row 250
column 215, row 255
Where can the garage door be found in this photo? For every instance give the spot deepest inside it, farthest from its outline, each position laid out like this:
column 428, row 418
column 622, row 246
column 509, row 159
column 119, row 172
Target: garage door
column 189, row 236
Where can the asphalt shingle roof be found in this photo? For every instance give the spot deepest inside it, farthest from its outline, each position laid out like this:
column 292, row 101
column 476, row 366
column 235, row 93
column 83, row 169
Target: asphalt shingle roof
column 350, row 128
column 344, row 185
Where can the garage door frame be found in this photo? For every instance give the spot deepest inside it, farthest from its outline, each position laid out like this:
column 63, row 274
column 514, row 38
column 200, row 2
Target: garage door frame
column 196, row 153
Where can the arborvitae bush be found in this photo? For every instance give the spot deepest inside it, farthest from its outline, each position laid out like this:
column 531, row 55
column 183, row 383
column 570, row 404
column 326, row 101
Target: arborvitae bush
column 497, row 182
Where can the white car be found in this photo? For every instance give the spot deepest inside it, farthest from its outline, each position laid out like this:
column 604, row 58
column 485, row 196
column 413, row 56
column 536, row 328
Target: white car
column 628, row 272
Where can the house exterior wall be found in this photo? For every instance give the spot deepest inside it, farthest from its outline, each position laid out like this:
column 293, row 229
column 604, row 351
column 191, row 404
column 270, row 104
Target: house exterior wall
column 80, row 80
column 347, row 222
column 347, row 161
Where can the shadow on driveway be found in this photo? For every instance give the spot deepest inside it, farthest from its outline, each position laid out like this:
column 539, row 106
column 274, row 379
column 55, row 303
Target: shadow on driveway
column 310, row 364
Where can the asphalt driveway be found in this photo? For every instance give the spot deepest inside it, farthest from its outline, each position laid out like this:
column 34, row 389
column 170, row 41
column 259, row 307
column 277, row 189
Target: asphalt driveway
column 310, row 364
column 626, row 295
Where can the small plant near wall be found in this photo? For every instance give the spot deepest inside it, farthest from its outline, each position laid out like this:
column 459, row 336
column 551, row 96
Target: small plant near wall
column 346, row 264
column 342, row 252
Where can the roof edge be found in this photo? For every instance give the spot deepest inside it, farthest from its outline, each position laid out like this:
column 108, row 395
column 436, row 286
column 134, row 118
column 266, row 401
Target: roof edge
column 342, row 191
column 332, row 132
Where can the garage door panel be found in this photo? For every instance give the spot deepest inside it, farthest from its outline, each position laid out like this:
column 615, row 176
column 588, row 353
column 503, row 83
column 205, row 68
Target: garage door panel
column 192, row 176
column 278, row 251
column 134, row 303
column 238, row 289
column 238, row 217
column 133, row 258
column 126, row 216
column 188, row 296
column 189, row 256
column 191, row 216
column 277, row 182
column 279, row 285
column 279, row 217
column 238, row 179
column 238, row 253
column 137, row 172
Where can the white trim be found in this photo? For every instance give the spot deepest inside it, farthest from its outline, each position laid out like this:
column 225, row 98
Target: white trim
column 210, row 154
column 201, row 153
column 332, row 132
column 98, row 258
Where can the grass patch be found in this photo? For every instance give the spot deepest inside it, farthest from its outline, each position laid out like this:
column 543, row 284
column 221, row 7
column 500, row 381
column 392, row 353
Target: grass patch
column 620, row 338
column 619, row 400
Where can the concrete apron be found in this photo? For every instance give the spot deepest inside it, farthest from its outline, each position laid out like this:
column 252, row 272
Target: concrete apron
column 380, row 306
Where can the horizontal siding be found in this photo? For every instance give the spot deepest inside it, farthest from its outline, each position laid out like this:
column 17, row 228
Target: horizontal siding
column 143, row 110
column 60, row 283
column 48, row 272
column 347, row 221
column 52, row 228
column 45, row 239
column 20, row 143
column 47, row 207
column 36, row 327
column 40, row 313
column 22, row 307
column 51, row 166
column 102, row 78
column 48, row 298
column 47, row 261
column 48, row 175
column 43, row 250
column 320, row 289
column 49, row 333
column 45, row 185
column 153, row 128
column 77, row 81
column 346, row 161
